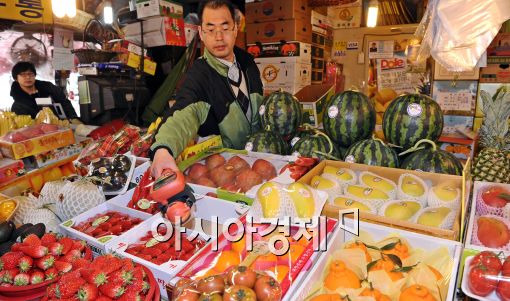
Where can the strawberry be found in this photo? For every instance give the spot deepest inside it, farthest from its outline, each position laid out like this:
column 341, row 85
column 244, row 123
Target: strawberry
column 10, row 260
column 130, row 296
column 67, row 243
column 81, row 263
column 21, row 279
column 126, row 225
column 16, row 247
column 88, row 292
column 48, row 238
column 45, row 262
column 9, row 275
column 69, row 287
column 25, row 263
column 34, row 251
column 51, row 273
column 94, row 276
column 112, row 289
column 145, row 257
column 145, row 287
column 53, row 291
column 36, row 277
column 128, row 264
column 79, row 245
column 104, row 298
column 122, row 276
column 63, row 267
column 71, row 256
column 110, row 264
column 137, row 284
column 116, row 230
column 32, row 240
column 162, row 258
column 55, row 248
column 152, row 252
column 163, row 246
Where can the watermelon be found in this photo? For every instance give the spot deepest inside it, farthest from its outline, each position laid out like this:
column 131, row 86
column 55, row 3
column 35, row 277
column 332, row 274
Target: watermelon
column 350, row 117
column 410, row 118
column 282, row 112
column 267, row 141
column 432, row 159
column 372, row 152
column 315, row 146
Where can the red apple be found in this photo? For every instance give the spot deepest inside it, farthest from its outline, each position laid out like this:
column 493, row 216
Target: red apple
column 492, row 232
column 214, row 161
column 265, row 169
column 496, row 197
column 223, row 175
column 247, row 179
column 197, row 171
column 238, row 163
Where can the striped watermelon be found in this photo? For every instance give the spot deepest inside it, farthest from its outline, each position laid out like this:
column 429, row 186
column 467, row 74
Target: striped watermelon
column 410, row 118
column 350, row 117
column 282, row 112
column 434, row 160
column 372, row 152
column 309, row 145
column 267, row 141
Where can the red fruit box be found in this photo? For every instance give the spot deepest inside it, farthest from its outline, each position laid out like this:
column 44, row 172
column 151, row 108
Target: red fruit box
column 34, row 140
column 230, row 191
column 138, row 244
column 289, row 269
column 10, row 169
column 99, row 245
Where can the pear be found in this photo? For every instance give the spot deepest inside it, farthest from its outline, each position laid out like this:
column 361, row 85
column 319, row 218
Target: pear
column 302, row 198
column 402, row 210
column 366, row 193
column 319, row 182
column 350, row 203
column 342, row 174
column 446, row 192
column 376, row 182
column 269, row 196
column 434, row 217
column 412, row 187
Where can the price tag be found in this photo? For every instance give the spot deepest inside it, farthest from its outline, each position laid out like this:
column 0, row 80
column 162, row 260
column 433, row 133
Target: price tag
column 455, row 101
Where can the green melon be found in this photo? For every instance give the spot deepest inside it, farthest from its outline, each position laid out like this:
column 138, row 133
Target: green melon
column 282, row 112
column 372, row 152
column 349, row 118
column 267, row 141
column 317, row 145
column 410, row 118
column 432, row 159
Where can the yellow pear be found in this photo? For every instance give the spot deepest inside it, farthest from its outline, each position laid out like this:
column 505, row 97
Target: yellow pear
column 302, row 198
column 434, row 217
column 412, row 187
column 446, row 192
column 377, row 182
column 366, row 193
column 321, row 183
column 341, row 174
column 350, row 203
column 269, row 196
column 402, row 210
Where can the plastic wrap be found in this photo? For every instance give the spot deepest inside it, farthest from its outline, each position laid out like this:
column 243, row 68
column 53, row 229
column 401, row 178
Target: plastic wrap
column 486, row 276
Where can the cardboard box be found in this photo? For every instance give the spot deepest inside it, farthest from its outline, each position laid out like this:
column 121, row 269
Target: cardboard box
column 320, row 21
column 317, row 52
column 300, row 51
column 313, row 100
column 393, row 174
column 275, row 10
column 318, row 39
column 158, row 31
column 495, row 73
column 461, row 148
column 500, row 45
column 153, row 8
column 37, row 145
column 133, row 60
column 490, row 88
column 291, row 88
column 283, row 72
column 10, row 169
column 56, row 155
column 317, row 63
column 441, row 73
column 312, row 284
column 455, row 125
column 317, row 76
column 345, row 17
column 458, row 99
column 276, row 31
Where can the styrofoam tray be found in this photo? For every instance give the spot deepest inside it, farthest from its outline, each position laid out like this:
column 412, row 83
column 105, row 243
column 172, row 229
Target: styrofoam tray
column 465, row 286
column 129, row 175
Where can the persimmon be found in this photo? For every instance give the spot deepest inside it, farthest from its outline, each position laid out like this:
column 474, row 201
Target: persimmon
column 416, row 292
column 226, row 260
column 360, row 245
column 341, row 276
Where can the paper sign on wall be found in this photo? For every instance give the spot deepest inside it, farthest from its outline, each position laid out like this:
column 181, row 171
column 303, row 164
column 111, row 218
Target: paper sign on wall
column 380, row 49
column 392, row 74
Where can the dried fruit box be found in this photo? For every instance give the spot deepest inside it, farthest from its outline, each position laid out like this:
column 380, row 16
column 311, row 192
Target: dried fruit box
column 451, row 227
column 38, row 143
column 99, row 245
column 289, row 269
column 440, row 254
column 231, row 190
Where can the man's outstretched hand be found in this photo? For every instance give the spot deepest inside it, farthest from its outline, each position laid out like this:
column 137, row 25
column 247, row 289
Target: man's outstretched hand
column 162, row 160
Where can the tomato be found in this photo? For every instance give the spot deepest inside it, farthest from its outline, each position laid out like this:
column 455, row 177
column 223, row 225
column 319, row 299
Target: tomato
column 188, row 295
column 211, row 284
column 239, row 293
column 303, row 161
column 482, row 280
column 182, row 284
column 241, row 275
column 505, row 270
column 503, row 289
column 213, row 297
column 298, row 169
column 268, row 289
column 488, row 259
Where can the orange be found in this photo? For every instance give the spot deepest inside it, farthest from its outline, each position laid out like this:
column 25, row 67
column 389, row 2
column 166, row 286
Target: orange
column 339, row 276
column 387, row 265
column 360, row 245
column 327, row 297
column 239, row 246
column 438, row 274
column 376, row 294
column 225, row 260
column 400, row 250
column 281, row 272
column 295, row 250
column 264, row 262
column 416, row 292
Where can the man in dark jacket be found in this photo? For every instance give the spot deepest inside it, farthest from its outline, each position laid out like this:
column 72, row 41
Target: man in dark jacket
column 221, row 94
column 25, row 89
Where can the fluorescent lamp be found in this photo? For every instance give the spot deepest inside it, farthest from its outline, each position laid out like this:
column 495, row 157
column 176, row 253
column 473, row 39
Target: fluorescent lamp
column 108, row 12
column 373, row 10
column 70, row 8
column 58, row 8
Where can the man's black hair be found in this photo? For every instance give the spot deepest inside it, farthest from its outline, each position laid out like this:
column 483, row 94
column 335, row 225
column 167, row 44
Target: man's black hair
column 215, row 4
column 21, row 67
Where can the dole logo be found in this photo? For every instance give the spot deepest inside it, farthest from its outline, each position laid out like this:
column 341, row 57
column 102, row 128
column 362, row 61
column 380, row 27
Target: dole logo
column 392, row 64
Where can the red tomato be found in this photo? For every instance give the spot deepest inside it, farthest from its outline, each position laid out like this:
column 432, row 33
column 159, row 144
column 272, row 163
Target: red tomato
column 303, row 161
column 482, row 281
column 503, row 289
column 239, row 293
column 505, row 270
column 488, row 259
column 241, row 275
column 268, row 289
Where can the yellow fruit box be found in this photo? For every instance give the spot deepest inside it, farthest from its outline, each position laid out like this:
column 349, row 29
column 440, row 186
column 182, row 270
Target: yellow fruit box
column 37, row 145
column 195, row 149
column 331, row 209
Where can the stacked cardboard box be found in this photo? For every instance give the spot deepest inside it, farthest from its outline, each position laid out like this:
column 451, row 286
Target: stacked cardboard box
column 278, row 34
